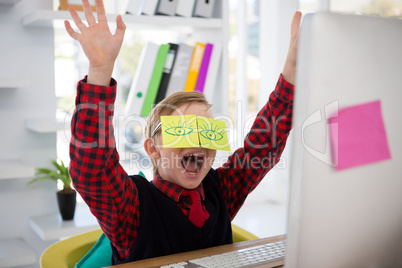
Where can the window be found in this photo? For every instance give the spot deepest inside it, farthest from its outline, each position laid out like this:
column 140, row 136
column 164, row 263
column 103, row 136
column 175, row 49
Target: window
column 381, row 8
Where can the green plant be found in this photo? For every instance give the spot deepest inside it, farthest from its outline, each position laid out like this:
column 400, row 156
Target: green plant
column 60, row 172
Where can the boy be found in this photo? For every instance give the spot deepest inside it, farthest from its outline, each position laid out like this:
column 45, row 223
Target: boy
column 188, row 205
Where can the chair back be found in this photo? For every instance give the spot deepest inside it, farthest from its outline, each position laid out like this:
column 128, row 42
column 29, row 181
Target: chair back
column 66, row 253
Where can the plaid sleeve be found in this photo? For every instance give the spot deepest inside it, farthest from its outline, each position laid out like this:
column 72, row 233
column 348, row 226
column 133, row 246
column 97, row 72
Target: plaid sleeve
column 262, row 149
column 95, row 169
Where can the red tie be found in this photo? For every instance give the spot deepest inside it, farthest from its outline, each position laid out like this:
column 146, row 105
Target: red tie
column 197, row 214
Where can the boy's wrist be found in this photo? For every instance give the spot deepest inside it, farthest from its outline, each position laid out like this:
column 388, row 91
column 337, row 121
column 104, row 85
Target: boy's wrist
column 289, row 73
column 100, row 75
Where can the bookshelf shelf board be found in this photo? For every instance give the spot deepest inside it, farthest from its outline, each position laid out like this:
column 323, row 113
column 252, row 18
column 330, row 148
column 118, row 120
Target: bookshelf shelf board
column 16, row 252
column 171, row 21
column 47, row 125
column 14, row 169
column 51, row 226
column 14, row 83
column 9, row 2
column 46, row 18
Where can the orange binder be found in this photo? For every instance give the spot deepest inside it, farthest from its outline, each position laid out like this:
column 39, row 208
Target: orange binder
column 195, row 65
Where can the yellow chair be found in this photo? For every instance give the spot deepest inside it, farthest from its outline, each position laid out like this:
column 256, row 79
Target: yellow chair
column 66, row 253
column 240, row 235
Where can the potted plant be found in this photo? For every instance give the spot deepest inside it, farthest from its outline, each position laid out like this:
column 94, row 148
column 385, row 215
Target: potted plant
column 66, row 197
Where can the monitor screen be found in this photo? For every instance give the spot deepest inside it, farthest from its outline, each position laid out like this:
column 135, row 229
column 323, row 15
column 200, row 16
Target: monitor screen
column 345, row 201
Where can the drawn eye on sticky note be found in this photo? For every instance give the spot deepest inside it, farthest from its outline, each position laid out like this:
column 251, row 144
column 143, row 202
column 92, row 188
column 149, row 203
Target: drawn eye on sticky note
column 186, row 131
column 212, row 133
column 179, row 131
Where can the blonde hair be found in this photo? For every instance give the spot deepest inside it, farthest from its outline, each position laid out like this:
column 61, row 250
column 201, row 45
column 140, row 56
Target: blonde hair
column 167, row 107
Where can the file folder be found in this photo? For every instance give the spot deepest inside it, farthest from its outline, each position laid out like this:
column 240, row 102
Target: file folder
column 180, row 69
column 142, row 78
column 213, row 71
column 195, row 65
column 134, row 7
column 166, row 7
column 167, row 71
column 155, row 80
column 199, row 86
column 185, row 8
column 149, row 7
column 204, row 8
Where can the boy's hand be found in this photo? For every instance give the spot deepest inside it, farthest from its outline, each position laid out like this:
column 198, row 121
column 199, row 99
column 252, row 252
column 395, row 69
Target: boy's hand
column 289, row 70
column 100, row 46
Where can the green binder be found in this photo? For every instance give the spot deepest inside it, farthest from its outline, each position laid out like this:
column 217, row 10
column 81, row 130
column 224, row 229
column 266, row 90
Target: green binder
column 155, row 80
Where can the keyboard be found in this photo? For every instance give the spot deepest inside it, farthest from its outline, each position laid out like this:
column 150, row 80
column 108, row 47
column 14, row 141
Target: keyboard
column 264, row 255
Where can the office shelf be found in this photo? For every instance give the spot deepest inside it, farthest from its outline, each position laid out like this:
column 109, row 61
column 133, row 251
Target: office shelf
column 42, row 21
column 47, row 125
column 46, row 18
column 14, row 83
column 16, row 252
column 51, row 226
column 15, row 168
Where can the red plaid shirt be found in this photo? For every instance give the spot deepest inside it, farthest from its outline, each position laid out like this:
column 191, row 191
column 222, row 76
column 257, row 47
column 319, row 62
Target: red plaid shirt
column 112, row 196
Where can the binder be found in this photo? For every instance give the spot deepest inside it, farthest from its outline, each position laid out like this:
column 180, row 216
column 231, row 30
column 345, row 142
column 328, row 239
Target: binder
column 213, row 70
column 155, row 80
column 185, row 8
column 166, row 7
column 194, row 66
column 202, row 75
column 167, row 71
column 204, row 8
column 181, row 65
column 142, row 78
column 134, row 7
column 149, row 7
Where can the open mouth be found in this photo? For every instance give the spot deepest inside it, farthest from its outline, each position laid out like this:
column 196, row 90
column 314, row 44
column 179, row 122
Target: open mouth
column 193, row 162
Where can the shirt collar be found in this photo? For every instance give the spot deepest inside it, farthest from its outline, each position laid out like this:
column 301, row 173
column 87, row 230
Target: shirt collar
column 173, row 190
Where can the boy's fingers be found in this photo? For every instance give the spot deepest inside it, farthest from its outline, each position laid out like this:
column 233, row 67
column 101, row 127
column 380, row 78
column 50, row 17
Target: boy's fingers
column 121, row 27
column 88, row 12
column 294, row 28
column 76, row 19
column 70, row 30
column 100, row 10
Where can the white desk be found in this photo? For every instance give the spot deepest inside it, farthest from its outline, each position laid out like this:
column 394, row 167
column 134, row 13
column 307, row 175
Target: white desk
column 190, row 255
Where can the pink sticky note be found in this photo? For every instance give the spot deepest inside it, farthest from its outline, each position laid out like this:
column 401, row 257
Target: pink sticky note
column 358, row 136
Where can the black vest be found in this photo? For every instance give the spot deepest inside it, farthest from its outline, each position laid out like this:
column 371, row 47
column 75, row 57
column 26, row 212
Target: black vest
column 164, row 229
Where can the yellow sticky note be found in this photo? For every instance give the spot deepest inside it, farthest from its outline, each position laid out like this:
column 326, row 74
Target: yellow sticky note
column 212, row 133
column 179, row 131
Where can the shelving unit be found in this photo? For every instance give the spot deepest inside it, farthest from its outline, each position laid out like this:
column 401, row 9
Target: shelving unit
column 14, row 169
column 46, row 18
column 51, row 226
column 16, row 252
column 26, row 91
column 215, row 30
column 34, row 30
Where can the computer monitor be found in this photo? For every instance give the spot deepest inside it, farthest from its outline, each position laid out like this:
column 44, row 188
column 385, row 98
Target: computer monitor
column 345, row 210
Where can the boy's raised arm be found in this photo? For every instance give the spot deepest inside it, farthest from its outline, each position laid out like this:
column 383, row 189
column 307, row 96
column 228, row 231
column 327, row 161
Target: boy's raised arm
column 265, row 142
column 94, row 161
column 289, row 69
column 99, row 45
